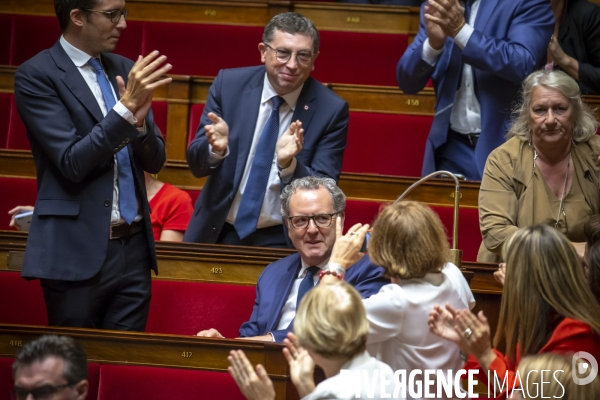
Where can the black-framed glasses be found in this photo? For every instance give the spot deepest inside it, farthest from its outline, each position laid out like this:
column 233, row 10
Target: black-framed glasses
column 114, row 15
column 45, row 392
column 283, row 56
column 320, row 220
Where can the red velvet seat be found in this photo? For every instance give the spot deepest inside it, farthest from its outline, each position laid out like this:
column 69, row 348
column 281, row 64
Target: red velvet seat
column 15, row 192
column 17, row 133
column 5, row 38
column 469, row 235
column 6, row 380
column 159, row 109
column 387, row 144
column 5, row 102
column 193, row 194
column 124, row 382
column 22, row 301
column 187, row 307
column 359, row 57
column 196, row 111
column 32, row 34
column 203, row 49
column 130, row 41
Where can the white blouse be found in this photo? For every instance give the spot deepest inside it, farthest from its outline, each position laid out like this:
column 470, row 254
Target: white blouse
column 399, row 335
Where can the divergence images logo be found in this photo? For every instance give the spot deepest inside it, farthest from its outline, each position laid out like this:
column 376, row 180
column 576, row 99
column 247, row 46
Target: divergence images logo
column 588, row 366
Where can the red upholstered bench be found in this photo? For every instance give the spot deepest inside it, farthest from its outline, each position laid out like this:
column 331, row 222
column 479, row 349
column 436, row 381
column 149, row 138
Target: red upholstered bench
column 469, row 235
column 214, row 46
column 17, row 134
column 193, row 194
column 5, row 102
column 403, row 138
column 134, row 382
column 159, row 109
column 359, row 57
column 196, row 111
column 5, row 38
column 30, row 35
column 22, row 301
column 6, row 380
column 15, row 192
column 185, row 308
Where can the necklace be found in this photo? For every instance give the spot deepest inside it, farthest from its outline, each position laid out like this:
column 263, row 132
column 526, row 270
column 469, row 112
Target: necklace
column 561, row 209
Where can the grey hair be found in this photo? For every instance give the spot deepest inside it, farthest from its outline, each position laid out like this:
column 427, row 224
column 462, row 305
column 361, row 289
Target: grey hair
column 585, row 124
column 293, row 23
column 313, row 183
column 64, row 347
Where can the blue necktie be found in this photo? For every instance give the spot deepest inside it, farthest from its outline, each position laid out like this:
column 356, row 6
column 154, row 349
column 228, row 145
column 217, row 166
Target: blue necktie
column 256, row 186
column 307, row 283
column 127, row 202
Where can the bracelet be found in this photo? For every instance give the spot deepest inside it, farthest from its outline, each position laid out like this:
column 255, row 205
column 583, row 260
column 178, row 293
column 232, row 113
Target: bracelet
column 334, row 269
column 329, row 272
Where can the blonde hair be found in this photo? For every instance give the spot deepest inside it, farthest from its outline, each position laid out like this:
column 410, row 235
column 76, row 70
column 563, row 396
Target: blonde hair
column 332, row 321
column 558, row 383
column 544, row 281
column 585, row 123
column 409, row 241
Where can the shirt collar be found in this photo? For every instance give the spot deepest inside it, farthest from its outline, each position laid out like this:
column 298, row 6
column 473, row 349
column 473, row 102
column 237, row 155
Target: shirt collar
column 268, row 92
column 79, row 57
column 305, row 266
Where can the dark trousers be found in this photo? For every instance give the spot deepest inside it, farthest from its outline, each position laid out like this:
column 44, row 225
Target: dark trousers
column 273, row 236
column 118, row 297
column 457, row 157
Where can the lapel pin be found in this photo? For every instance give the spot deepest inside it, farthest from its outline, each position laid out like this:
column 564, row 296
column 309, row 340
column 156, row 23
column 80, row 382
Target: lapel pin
column 306, row 107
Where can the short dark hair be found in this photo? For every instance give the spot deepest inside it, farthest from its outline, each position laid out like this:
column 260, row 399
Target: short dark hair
column 64, row 347
column 63, row 8
column 293, row 23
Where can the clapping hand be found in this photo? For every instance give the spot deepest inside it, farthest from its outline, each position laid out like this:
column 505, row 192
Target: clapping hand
column 289, row 144
column 254, row 385
column 302, row 366
column 217, row 133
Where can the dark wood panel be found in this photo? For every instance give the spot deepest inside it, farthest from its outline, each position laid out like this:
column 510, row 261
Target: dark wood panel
column 133, row 348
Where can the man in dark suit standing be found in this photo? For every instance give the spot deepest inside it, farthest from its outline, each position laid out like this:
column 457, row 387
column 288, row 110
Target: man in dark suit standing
column 312, row 208
column 262, row 127
column 90, row 240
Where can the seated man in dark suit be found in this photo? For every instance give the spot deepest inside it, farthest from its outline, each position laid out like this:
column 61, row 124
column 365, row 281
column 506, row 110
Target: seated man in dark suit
column 261, row 128
column 310, row 207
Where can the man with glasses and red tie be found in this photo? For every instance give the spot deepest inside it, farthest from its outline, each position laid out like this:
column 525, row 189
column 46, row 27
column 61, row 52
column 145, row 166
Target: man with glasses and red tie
column 261, row 128
column 92, row 134
column 312, row 208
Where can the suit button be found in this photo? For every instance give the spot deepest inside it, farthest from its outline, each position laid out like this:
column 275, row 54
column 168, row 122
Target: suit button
column 214, row 228
column 106, row 203
column 230, row 198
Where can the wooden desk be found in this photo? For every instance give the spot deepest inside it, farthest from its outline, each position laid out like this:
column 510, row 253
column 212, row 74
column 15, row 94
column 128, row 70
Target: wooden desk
column 134, row 348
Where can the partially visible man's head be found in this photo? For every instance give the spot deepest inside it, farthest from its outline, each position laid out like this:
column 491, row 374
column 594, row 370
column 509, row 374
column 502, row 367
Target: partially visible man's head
column 51, row 367
column 289, row 48
column 310, row 207
column 93, row 26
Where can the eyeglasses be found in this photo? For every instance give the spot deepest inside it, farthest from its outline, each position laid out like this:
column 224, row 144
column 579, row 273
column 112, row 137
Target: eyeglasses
column 114, row 15
column 45, row 392
column 284, row 56
column 320, row 220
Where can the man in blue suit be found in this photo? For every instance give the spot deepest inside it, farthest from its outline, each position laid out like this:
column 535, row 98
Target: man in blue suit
column 92, row 136
column 261, row 128
column 311, row 207
column 477, row 58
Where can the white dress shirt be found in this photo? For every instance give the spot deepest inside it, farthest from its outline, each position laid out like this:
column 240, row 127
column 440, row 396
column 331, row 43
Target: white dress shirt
column 466, row 111
column 288, row 312
column 80, row 59
column 269, row 213
column 398, row 331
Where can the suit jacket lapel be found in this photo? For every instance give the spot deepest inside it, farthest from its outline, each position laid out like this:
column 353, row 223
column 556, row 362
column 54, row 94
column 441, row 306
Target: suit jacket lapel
column 75, row 82
column 282, row 291
column 306, row 105
column 486, row 7
column 247, row 120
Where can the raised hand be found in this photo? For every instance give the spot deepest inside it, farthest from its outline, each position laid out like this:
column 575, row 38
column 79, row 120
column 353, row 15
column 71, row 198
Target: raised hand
column 435, row 33
column 475, row 335
column 500, row 274
column 254, row 385
column 450, row 16
column 346, row 250
column 146, row 75
column 15, row 211
column 302, row 366
column 217, row 133
column 289, row 144
column 441, row 323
